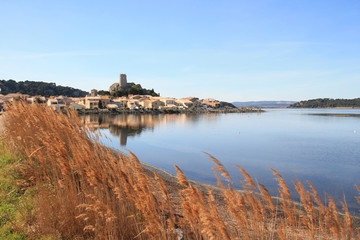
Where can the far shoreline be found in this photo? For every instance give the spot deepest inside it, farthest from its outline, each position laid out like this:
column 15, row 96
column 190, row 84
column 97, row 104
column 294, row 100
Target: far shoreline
column 326, row 108
column 168, row 111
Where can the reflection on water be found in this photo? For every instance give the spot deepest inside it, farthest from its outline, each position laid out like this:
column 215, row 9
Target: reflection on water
column 319, row 145
column 129, row 125
column 123, row 125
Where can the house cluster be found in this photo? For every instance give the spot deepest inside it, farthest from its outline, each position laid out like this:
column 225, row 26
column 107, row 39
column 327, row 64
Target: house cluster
column 94, row 101
column 57, row 103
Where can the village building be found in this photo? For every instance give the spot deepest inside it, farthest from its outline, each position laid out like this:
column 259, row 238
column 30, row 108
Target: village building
column 112, row 106
column 96, row 102
column 36, row 99
column 170, row 107
column 77, row 100
column 16, row 96
column 65, row 100
column 133, row 104
column 105, row 100
column 152, row 104
column 76, row 106
column 191, row 101
column 187, row 103
column 120, row 101
column 211, row 103
column 168, row 101
column 92, row 102
column 56, row 103
column 180, row 104
column 156, row 104
column 80, row 101
column 135, row 96
column 145, row 103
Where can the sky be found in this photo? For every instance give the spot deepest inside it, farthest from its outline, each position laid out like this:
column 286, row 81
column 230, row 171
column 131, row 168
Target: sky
column 223, row 49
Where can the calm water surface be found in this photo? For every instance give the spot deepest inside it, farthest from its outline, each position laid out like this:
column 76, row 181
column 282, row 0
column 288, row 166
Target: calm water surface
column 321, row 146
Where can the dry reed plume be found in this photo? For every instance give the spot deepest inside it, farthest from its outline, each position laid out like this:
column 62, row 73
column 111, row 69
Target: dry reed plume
column 84, row 190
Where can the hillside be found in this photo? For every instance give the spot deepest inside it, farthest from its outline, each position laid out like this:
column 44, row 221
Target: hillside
column 264, row 104
column 132, row 88
column 327, row 103
column 33, row 88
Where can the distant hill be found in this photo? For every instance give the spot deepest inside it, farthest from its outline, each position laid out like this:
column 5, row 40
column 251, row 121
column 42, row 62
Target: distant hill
column 264, row 104
column 33, row 88
column 327, row 103
column 131, row 88
column 226, row 105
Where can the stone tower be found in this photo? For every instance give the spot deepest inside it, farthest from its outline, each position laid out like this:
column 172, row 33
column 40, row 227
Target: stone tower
column 119, row 86
column 123, row 80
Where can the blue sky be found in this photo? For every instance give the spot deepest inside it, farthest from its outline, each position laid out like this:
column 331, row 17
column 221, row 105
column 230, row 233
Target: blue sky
column 228, row 50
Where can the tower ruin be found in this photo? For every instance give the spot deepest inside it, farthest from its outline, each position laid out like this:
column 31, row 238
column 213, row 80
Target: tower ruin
column 123, row 80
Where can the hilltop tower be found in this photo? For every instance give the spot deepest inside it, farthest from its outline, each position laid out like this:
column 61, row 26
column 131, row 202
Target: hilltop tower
column 123, row 84
column 123, row 80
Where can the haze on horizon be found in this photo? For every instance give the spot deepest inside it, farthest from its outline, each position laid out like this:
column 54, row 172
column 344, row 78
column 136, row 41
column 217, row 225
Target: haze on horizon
column 233, row 50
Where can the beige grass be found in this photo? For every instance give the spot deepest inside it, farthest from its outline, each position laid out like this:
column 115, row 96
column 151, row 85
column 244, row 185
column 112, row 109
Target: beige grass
column 85, row 191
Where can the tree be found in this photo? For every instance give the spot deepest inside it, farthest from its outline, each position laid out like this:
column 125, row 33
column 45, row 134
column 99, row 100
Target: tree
column 38, row 88
column 103, row 93
column 38, row 100
column 100, row 105
column 327, row 103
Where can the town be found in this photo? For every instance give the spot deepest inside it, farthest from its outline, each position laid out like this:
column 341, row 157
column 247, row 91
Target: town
column 97, row 102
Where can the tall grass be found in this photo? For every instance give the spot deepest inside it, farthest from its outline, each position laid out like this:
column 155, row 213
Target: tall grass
column 84, row 191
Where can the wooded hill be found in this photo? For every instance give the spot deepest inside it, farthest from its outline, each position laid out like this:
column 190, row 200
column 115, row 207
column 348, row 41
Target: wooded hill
column 132, row 88
column 327, row 103
column 33, row 88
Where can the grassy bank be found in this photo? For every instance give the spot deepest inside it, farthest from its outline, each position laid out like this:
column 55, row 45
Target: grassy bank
column 82, row 190
column 15, row 204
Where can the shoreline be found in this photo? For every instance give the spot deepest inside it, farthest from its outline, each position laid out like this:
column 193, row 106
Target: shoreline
column 162, row 172
column 171, row 180
column 324, row 108
column 173, row 185
column 169, row 111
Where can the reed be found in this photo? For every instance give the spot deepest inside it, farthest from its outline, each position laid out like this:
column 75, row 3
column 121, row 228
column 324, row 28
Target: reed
column 83, row 190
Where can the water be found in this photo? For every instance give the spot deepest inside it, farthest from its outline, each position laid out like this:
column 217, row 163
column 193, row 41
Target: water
column 321, row 146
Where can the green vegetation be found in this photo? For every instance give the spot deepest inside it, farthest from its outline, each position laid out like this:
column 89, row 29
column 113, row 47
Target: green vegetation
column 33, row 88
column 103, row 93
column 14, row 203
column 226, row 105
column 327, row 103
column 135, row 89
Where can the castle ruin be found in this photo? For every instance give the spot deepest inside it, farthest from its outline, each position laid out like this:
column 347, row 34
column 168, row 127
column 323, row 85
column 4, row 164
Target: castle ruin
column 123, row 80
column 123, row 84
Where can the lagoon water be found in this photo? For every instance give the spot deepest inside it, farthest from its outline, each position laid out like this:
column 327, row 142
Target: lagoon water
column 319, row 145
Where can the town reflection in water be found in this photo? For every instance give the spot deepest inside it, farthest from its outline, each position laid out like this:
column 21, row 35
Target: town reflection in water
column 127, row 125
